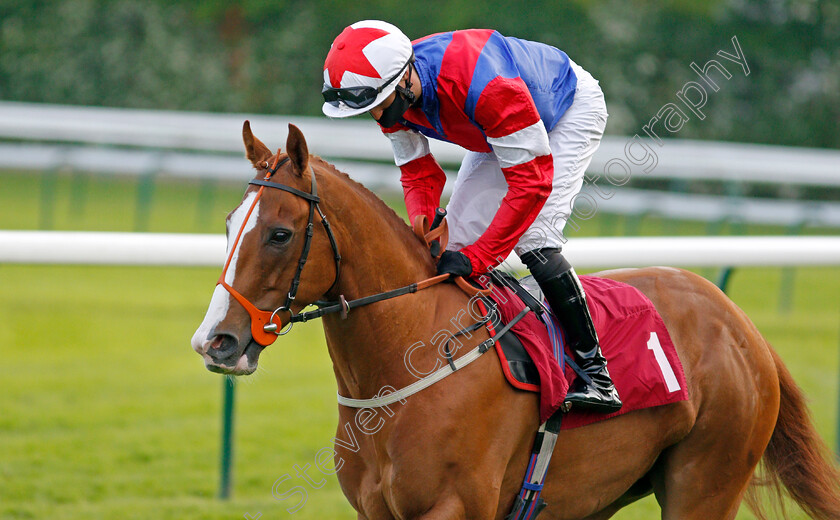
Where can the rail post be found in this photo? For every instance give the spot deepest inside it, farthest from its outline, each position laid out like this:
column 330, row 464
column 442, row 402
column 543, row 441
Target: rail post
column 229, row 387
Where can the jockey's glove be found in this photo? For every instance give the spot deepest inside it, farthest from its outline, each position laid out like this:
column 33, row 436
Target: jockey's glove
column 455, row 263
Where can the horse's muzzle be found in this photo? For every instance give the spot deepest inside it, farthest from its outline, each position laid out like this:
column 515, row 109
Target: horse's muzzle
column 222, row 353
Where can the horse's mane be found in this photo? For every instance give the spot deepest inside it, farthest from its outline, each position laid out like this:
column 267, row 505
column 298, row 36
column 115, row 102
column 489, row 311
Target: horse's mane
column 389, row 215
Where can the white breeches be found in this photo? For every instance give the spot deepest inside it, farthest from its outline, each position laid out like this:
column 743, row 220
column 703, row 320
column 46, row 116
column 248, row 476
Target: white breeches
column 481, row 186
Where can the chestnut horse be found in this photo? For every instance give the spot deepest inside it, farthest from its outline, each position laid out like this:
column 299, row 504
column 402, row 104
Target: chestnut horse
column 459, row 448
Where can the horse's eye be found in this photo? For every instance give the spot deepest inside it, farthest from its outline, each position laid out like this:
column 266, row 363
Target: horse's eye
column 280, row 236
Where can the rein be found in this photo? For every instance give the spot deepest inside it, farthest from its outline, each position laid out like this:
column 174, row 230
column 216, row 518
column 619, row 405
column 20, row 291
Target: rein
column 343, row 306
column 266, row 325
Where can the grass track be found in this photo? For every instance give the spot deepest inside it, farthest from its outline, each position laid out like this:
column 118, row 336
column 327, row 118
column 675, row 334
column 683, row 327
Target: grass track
column 107, row 413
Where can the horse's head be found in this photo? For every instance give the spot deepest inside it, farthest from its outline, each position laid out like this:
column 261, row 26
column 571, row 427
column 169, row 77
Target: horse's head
column 271, row 235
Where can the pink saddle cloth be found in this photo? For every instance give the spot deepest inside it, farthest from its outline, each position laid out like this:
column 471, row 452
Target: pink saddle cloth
column 641, row 357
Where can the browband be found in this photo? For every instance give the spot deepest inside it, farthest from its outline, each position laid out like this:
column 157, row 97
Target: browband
column 307, row 196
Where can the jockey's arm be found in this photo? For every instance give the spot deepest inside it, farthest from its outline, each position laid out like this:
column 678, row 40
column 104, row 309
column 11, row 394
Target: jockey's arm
column 519, row 140
column 421, row 176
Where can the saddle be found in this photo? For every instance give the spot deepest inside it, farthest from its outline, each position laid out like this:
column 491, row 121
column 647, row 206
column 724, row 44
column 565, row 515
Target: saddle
column 520, row 370
column 642, row 359
column 639, row 350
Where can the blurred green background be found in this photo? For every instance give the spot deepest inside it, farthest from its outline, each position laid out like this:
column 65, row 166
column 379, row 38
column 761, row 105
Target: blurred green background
column 105, row 410
column 107, row 413
column 266, row 56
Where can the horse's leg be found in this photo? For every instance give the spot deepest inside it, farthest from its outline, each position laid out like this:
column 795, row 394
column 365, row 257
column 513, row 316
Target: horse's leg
column 642, row 488
column 695, row 486
column 704, row 477
column 733, row 385
column 605, row 514
column 736, row 391
column 451, row 508
column 596, row 469
column 446, row 451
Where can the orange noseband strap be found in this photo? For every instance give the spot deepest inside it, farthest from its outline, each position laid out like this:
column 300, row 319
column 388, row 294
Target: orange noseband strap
column 259, row 318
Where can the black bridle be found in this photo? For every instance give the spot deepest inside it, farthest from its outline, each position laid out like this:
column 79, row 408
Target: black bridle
column 263, row 322
column 314, row 206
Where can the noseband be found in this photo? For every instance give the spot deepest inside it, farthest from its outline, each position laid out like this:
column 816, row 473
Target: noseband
column 265, row 325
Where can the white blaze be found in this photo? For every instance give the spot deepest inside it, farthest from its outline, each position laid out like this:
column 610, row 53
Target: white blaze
column 220, row 302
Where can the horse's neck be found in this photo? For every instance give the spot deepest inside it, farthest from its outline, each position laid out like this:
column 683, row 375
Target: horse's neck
column 371, row 349
column 379, row 253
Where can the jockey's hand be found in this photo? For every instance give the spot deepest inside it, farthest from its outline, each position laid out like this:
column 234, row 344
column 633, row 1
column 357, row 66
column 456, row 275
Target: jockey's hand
column 455, row 263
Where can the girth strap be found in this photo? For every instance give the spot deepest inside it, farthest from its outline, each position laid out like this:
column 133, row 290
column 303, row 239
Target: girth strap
column 528, row 503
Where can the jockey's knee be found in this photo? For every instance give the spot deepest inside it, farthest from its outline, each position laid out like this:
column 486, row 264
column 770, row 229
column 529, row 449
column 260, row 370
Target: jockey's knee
column 545, row 263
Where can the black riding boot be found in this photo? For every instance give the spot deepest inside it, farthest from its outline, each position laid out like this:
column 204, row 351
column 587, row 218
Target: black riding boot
column 561, row 288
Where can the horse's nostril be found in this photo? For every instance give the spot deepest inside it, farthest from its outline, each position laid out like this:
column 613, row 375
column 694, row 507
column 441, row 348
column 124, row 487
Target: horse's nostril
column 221, row 343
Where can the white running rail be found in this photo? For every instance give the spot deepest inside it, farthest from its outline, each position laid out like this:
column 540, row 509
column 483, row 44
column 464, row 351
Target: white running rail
column 170, row 249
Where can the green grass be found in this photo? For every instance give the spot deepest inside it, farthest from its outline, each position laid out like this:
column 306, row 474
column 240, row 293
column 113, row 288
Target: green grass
column 107, row 413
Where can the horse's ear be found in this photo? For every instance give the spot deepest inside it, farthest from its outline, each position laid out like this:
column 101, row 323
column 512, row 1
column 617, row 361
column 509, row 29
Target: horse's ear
column 297, row 149
column 255, row 150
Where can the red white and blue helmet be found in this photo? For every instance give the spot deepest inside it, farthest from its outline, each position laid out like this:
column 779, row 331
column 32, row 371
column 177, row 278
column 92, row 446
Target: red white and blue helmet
column 363, row 67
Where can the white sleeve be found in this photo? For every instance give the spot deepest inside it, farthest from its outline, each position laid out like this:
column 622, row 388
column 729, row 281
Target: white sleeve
column 408, row 145
column 521, row 146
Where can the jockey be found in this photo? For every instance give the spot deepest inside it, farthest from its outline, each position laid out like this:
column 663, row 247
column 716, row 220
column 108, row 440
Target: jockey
column 530, row 118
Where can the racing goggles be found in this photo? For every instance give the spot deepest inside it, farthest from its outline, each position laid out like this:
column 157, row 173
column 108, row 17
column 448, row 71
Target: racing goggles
column 358, row 97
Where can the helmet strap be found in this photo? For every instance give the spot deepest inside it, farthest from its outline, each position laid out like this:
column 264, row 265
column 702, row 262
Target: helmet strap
column 405, row 91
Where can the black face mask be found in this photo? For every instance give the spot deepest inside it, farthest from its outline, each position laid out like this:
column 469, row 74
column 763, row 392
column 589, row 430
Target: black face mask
column 393, row 114
column 403, row 100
